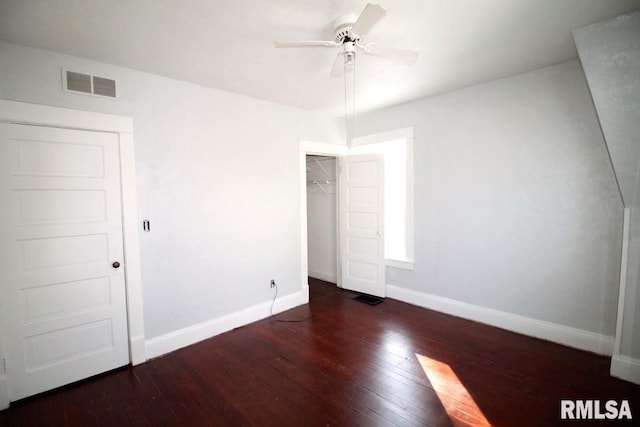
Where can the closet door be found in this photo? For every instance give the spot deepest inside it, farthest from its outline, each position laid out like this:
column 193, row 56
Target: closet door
column 362, row 223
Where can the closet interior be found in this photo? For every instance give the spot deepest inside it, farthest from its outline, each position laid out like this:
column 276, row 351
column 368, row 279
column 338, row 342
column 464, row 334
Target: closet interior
column 321, row 217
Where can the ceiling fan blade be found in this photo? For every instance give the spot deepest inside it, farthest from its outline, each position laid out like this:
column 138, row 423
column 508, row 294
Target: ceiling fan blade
column 400, row 55
column 369, row 16
column 307, row 43
column 338, row 66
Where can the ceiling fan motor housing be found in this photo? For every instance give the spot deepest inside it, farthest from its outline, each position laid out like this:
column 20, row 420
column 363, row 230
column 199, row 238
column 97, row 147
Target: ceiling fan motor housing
column 342, row 29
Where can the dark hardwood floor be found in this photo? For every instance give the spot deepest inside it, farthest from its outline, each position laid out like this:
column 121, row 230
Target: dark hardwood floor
column 350, row 364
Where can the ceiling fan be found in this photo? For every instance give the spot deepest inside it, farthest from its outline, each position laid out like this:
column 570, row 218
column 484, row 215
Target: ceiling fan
column 348, row 31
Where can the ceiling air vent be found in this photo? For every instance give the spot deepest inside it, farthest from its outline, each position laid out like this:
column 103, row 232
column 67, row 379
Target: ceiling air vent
column 88, row 84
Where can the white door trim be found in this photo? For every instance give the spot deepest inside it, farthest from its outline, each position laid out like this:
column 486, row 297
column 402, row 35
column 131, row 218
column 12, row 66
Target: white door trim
column 322, row 149
column 33, row 114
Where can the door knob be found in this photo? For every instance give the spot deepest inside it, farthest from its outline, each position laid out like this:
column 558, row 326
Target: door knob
column 115, row 264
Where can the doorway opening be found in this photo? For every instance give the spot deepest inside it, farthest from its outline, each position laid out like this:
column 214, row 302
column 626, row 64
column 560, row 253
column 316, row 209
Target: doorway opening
column 308, row 148
column 322, row 217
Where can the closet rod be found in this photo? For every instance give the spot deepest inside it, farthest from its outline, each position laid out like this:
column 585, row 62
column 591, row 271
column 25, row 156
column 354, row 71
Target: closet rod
column 319, row 183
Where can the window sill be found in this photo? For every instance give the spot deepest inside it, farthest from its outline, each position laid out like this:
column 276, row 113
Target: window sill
column 396, row 263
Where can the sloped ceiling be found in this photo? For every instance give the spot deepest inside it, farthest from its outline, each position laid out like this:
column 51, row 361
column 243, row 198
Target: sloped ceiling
column 228, row 44
column 610, row 54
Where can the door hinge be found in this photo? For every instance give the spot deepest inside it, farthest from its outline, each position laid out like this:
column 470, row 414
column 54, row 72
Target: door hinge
column 4, row 366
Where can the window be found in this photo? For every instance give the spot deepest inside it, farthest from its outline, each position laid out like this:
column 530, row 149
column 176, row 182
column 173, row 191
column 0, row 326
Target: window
column 396, row 147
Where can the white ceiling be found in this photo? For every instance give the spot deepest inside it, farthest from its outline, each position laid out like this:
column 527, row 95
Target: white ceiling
column 228, row 44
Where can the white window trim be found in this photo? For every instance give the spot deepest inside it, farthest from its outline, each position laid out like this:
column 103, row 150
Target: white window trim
column 407, row 134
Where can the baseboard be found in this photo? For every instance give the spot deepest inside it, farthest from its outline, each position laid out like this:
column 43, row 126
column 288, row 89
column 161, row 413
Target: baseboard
column 175, row 340
column 304, row 298
column 626, row 368
column 566, row 335
column 137, row 350
column 331, row 278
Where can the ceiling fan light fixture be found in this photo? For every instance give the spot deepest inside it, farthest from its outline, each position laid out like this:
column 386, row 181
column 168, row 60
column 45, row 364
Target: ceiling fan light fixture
column 349, row 55
column 349, row 61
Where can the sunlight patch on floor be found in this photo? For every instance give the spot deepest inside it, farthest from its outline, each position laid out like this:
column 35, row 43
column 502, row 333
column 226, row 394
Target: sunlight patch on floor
column 460, row 406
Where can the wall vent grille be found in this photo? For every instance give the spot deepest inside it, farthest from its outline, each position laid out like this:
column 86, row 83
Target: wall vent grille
column 88, row 84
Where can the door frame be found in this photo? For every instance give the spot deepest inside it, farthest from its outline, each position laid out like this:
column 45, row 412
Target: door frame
column 42, row 115
column 320, row 149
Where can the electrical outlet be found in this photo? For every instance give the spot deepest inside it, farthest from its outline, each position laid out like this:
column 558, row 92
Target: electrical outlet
column 273, row 283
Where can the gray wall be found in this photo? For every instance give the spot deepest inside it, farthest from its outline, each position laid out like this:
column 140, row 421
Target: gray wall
column 610, row 54
column 516, row 205
column 218, row 176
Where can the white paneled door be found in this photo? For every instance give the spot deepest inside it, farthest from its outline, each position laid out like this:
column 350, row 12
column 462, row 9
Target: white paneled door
column 362, row 223
column 62, row 265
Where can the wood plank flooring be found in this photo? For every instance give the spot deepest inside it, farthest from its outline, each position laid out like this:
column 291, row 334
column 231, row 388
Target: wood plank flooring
column 349, row 364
